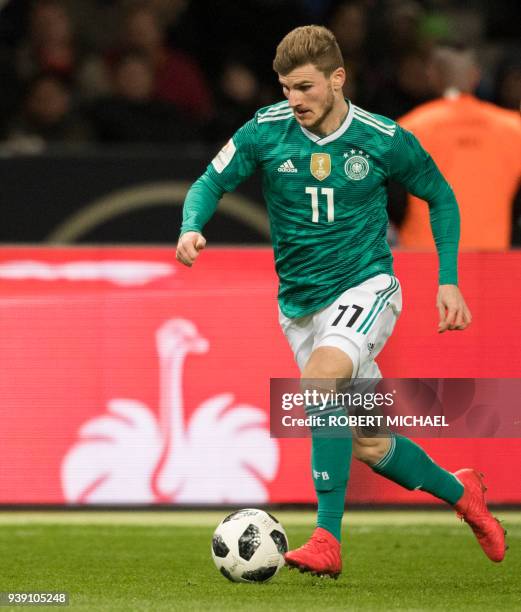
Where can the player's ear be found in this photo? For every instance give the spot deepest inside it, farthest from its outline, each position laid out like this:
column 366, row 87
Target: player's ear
column 338, row 78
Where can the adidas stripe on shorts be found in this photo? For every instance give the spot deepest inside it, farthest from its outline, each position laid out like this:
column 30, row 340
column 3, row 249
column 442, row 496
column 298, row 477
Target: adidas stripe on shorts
column 358, row 322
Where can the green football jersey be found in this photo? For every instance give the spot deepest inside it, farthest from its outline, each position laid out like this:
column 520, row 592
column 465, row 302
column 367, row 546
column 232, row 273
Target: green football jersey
column 326, row 199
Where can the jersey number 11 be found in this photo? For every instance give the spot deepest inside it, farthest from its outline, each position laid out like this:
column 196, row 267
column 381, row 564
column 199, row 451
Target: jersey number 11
column 325, row 191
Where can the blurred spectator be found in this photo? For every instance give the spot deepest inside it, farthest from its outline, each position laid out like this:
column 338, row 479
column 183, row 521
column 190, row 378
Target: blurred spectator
column 10, row 98
column 132, row 114
column 257, row 25
column 385, row 43
column 97, row 21
column 403, row 24
column 177, row 78
column 398, row 47
column 237, row 98
column 349, row 24
column 508, row 82
column 396, row 29
column 408, row 86
column 169, row 12
column 50, row 44
column 47, row 114
column 477, row 146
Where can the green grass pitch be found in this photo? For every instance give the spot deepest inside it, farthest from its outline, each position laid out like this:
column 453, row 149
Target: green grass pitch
column 154, row 561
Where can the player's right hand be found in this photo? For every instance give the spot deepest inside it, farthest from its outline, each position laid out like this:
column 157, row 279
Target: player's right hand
column 189, row 246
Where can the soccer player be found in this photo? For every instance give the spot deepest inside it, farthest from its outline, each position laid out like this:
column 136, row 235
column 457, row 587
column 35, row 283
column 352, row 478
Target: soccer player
column 325, row 163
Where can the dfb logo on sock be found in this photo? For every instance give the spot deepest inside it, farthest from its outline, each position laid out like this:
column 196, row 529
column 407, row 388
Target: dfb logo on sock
column 322, row 475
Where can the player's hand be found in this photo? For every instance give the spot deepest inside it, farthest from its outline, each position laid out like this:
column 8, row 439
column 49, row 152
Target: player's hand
column 189, row 246
column 454, row 313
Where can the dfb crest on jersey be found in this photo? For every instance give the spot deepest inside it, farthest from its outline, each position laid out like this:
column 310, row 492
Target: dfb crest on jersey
column 356, row 167
column 320, row 165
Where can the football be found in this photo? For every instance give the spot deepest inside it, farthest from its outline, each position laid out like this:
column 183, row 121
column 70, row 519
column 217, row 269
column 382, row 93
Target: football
column 248, row 546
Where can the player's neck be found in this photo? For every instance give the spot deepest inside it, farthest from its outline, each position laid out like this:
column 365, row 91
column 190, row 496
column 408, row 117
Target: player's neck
column 333, row 120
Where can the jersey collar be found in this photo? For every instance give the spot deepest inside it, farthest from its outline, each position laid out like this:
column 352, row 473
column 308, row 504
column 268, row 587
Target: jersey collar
column 322, row 140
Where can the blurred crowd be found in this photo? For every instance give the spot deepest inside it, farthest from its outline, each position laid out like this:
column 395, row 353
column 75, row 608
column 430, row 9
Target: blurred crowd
column 170, row 71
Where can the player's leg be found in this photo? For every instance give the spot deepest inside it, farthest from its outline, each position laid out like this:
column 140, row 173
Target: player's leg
column 330, row 457
column 396, row 457
column 330, row 447
column 403, row 461
column 299, row 334
column 336, row 355
column 406, row 463
column 330, row 462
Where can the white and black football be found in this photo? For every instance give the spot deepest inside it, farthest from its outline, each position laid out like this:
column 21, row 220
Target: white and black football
column 248, row 546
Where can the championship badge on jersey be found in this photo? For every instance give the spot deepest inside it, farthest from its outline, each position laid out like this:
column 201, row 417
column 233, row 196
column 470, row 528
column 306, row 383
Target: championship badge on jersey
column 320, row 165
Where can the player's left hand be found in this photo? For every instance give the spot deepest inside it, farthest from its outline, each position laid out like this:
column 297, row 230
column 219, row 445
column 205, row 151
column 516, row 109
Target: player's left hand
column 454, row 313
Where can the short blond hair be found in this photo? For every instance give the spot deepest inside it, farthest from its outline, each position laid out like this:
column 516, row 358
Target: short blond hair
column 311, row 44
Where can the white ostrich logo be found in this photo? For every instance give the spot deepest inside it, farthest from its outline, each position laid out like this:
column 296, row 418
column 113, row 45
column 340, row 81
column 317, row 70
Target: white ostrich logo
column 224, row 454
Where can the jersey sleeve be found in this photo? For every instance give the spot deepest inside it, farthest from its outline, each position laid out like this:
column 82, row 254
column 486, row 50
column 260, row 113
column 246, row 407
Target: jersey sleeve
column 234, row 163
column 415, row 169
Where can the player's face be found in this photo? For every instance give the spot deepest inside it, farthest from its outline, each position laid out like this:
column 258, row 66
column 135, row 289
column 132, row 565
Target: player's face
column 311, row 94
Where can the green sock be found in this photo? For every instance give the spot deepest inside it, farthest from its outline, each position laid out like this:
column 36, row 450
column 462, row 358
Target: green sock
column 408, row 464
column 331, row 462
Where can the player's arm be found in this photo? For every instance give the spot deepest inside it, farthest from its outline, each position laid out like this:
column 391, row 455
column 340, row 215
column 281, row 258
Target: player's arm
column 235, row 162
column 200, row 204
column 414, row 168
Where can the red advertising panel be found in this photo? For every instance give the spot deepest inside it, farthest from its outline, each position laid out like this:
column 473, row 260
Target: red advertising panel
column 127, row 378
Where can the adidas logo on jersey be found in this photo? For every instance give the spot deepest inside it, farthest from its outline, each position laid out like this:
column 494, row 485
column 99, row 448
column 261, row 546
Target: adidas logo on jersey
column 287, row 166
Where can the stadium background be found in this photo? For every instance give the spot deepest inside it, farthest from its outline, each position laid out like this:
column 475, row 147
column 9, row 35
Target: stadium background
column 105, row 397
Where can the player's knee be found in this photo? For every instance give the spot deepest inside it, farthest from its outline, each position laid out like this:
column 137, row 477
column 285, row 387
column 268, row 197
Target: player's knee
column 370, row 450
column 328, row 363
